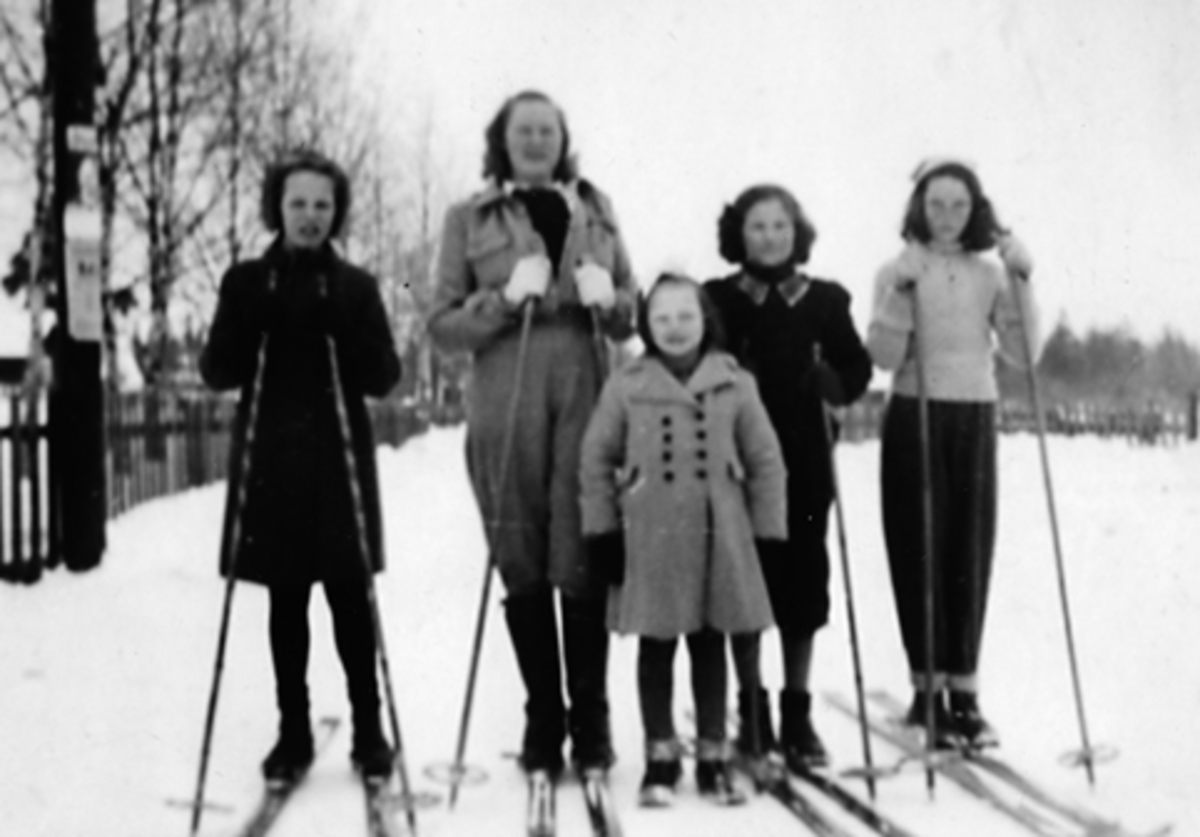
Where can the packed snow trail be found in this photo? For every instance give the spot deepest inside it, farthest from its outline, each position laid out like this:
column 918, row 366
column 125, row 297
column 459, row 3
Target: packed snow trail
column 103, row 676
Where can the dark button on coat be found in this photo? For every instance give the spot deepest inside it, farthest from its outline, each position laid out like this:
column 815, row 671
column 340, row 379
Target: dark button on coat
column 689, row 528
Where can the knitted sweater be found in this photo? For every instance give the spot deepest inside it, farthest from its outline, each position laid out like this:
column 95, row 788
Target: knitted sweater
column 967, row 305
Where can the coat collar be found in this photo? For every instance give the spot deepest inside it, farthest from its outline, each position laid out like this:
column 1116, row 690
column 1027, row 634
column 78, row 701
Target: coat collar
column 278, row 256
column 496, row 193
column 716, row 370
column 791, row 289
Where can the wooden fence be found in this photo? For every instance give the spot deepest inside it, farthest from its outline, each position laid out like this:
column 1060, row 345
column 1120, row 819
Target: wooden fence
column 159, row 443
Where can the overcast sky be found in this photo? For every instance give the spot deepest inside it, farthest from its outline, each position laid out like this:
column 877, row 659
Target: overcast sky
column 1082, row 115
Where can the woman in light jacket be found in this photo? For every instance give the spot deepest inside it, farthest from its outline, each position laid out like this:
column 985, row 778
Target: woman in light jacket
column 537, row 235
column 962, row 301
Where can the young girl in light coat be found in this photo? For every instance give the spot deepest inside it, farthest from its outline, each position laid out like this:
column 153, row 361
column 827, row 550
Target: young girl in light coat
column 681, row 475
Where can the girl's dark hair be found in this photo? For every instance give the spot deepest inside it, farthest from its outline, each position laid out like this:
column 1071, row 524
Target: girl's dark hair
column 271, row 207
column 730, row 240
column 982, row 227
column 496, row 164
column 714, row 334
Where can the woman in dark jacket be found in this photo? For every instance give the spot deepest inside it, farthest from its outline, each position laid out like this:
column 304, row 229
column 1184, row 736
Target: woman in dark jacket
column 795, row 334
column 538, row 236
column 298, row 522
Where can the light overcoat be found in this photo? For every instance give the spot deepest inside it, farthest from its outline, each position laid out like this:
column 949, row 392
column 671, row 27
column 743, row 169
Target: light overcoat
column 693, row 473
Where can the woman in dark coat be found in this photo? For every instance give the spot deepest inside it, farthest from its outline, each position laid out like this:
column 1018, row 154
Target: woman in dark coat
column 298, row 523
column 795, row 334
column 538, row 236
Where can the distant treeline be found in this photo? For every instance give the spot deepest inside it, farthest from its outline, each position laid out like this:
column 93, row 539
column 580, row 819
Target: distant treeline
column 1110, row 367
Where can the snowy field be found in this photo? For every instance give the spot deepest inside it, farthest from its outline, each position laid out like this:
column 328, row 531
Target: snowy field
column 104, row 676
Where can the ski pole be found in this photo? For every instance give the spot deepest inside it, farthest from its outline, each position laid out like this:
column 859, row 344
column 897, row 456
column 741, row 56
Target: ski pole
column 1085, row 755
column 457, row 769
column 827, row 427
column 364, row 548
column 233, row 537
column 598, row 344
column 926, row 525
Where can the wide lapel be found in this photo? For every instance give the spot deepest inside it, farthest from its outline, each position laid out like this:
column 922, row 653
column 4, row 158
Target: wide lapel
column 657, row 384
column 715, row 371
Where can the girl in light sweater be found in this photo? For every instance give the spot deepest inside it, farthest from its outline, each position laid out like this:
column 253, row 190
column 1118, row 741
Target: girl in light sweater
column 967, row 304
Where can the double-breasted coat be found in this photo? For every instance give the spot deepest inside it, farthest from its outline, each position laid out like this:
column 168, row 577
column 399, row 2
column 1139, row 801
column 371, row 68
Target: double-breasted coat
column 692, row 473
column 297, row 522
column 532, row 520
column 778, row 340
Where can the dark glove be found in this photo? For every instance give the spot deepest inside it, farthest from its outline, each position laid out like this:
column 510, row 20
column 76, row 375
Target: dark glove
column 826, row 383
column 606, row 554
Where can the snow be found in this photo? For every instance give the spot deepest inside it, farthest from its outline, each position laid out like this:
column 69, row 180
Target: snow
column 14, row 327
column 104, row 676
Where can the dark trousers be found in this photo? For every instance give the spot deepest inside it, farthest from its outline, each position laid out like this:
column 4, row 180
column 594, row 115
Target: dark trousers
column 354, row 636
column 656, row 679
column 963, row 470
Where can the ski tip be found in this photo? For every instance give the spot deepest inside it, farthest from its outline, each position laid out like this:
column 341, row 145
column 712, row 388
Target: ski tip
column 415, row 801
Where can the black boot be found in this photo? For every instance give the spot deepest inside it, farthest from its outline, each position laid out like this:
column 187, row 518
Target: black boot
column 802, row 747
column 585, row 647
column 293, row 751
column 754, row 713
column 969, row 721
column 370, row 753
column 714, row 774
column 663, row 769
column 945, row 732
column 534, row 633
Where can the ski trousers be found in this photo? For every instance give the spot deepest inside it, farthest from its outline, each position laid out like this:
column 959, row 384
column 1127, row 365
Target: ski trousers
column 963, row 476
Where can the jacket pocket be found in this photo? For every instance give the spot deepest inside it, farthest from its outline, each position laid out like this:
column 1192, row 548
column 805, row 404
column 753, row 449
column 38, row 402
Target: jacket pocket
column 491, row 255
column 629, row 481
column 601, row 244
column 736, row 470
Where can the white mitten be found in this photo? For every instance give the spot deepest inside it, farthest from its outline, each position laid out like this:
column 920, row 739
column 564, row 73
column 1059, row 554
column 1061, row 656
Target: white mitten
column 529, row 278
column 1015, row 256
column 595, row 286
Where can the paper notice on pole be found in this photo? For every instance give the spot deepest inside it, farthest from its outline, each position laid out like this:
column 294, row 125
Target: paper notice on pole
column 85, row 314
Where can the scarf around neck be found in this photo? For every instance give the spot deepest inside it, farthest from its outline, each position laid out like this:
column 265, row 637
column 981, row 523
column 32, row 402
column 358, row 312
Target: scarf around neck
column 770, row 274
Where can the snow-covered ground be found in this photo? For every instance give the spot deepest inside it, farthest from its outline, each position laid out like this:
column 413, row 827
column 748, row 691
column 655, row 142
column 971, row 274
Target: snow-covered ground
column 104, row 676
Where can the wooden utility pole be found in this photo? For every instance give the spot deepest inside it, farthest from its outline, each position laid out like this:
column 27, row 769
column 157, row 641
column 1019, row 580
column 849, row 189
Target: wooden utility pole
column 77, row 480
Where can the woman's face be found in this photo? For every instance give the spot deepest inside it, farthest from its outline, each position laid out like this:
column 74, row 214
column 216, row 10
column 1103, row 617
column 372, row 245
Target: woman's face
column 533, row 139
column 769, row 234
column 947, row 206
column 308, row 209
column 676, row 320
